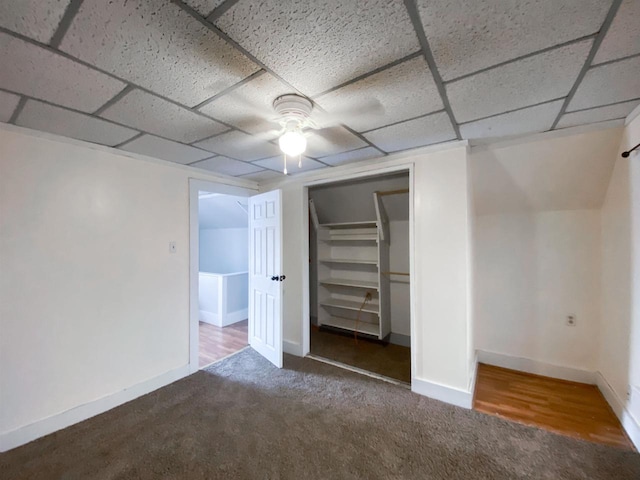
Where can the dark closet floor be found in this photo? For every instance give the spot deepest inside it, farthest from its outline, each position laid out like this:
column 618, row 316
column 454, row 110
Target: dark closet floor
column 389, row 360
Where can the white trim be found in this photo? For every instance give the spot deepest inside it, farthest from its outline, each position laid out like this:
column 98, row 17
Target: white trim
column 234, row 317
column 40, row 428
column 209, row 317
column 474, row 375
column 537, row 367
column 444, row 393
column 629, row 424
column 293, row 348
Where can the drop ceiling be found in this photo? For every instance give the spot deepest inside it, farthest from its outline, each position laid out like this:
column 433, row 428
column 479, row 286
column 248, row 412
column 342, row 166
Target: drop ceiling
column 192, row 81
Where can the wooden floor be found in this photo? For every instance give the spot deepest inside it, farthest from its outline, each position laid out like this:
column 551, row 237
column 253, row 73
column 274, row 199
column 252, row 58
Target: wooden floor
column 574, row 409
column 218, row 342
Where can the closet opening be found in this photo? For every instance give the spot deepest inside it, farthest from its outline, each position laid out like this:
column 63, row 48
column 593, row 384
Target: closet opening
column 359, row 274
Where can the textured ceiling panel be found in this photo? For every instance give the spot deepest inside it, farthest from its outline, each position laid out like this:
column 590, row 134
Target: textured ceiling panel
column 263, row 176
column 141, row 110
column 239, row 145
column 277, row 163
column 8, row 104
column 623, row 36
column 620, row 110
column 37, row 19
column 614, row 82
column 413, row 133
column 319, row 45
column 48, row 118
column 227, row 166
column 204, row 7
column 249, row 107
column 401, row 92
column 526, row 82
column 329, row 141
column 352, row 156
column 468, row 36
column 39, row 73
column 156, row 45
column 165, row 149
column 527, row 120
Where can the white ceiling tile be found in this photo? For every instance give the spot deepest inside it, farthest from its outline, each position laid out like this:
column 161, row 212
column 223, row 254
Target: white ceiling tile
column 239, row 145
column 401, row 92
column 526, row 82
column 250, row 106
column 8, row 104
column 352, row 156
column 52, row 119
column 610, row 83
column 263, row 176
column 42, row 74
column 319, row 45
column 151, row 114
column 602, row 114
column 204, row 7
column 413, row 133
column 157, row 147
column 528, row 120
column 156, row 45
column 623, row 37
column 37, row 19
column 227, row 166
column 329, row 141
column 277, row 163
column 468, row 36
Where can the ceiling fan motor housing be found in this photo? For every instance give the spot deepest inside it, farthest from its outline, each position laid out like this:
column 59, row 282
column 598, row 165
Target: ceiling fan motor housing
column 293, row 108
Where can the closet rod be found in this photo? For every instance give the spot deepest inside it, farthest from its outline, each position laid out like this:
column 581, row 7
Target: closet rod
column 395, row 273
column 393, row 192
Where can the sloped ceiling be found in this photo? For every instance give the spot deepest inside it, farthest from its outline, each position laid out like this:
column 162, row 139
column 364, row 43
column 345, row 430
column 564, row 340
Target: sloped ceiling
column 222, row 211
column 193, row 81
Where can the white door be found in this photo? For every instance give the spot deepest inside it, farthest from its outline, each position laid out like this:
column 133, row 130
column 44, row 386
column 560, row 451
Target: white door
column 265, row 275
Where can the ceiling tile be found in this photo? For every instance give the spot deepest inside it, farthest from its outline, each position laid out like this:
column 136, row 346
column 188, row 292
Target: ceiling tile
column 395, row 94
column 239, row 145
column 528, row 120
column 204, row 7
column 277, row 163
column 156, row 45
column 157, row 147
column 146, row 112
column 594, row 115
column 263, row 176
column 623, row 36
column 37, row 19
column 610, row 83
column 329, row 141
column 52, row 119
column 249, row 107
column 413, row 133
column 468, row 36
column 8, row 104
column 352, row 156
column 319, row 45
column 227, row 166
column 526, row 82
column 42, row 74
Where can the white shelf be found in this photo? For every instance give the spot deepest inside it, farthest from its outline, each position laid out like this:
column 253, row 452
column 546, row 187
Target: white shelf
column 355, row 237
column 350, row 261
column 345, row 282
column 349, row 324
column 350, row 305
column 350, row 225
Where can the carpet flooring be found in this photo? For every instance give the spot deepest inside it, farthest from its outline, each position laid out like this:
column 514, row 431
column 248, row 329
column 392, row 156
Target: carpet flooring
column 242, row 418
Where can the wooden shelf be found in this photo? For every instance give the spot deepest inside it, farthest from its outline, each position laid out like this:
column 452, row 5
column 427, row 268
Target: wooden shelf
column 345, row 282
column 350, row 305
column 349, row 324
column 349, row 261
column 372, row 224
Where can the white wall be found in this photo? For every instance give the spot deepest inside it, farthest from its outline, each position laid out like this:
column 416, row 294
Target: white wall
column 91, row 301
column 224, row 250
column 400, row 286
column 532, row 270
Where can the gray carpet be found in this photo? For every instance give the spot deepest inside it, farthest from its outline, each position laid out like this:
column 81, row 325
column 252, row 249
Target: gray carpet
column 244, row 418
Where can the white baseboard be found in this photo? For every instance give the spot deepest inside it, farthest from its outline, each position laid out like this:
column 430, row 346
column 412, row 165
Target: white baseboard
column 208, row 317
column 631, row 426
column 537, row 367
column 28, row 433
column 292, row 348
column 443, row 393
column 234, row 317
column 400, row 339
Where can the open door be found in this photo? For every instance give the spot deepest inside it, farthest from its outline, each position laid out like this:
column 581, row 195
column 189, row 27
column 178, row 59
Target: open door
column 265, row 275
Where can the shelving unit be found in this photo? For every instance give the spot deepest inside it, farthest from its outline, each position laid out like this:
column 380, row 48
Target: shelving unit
column 351, row 257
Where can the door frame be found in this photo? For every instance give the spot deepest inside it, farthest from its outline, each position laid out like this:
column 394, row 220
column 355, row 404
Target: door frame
column 306, row 310
column 196, row 185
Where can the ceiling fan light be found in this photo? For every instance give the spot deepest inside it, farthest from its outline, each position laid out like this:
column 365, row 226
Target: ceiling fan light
column 292, row 143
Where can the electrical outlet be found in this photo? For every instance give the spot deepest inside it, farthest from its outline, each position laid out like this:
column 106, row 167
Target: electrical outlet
column 571, row 320
column 172, row 247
